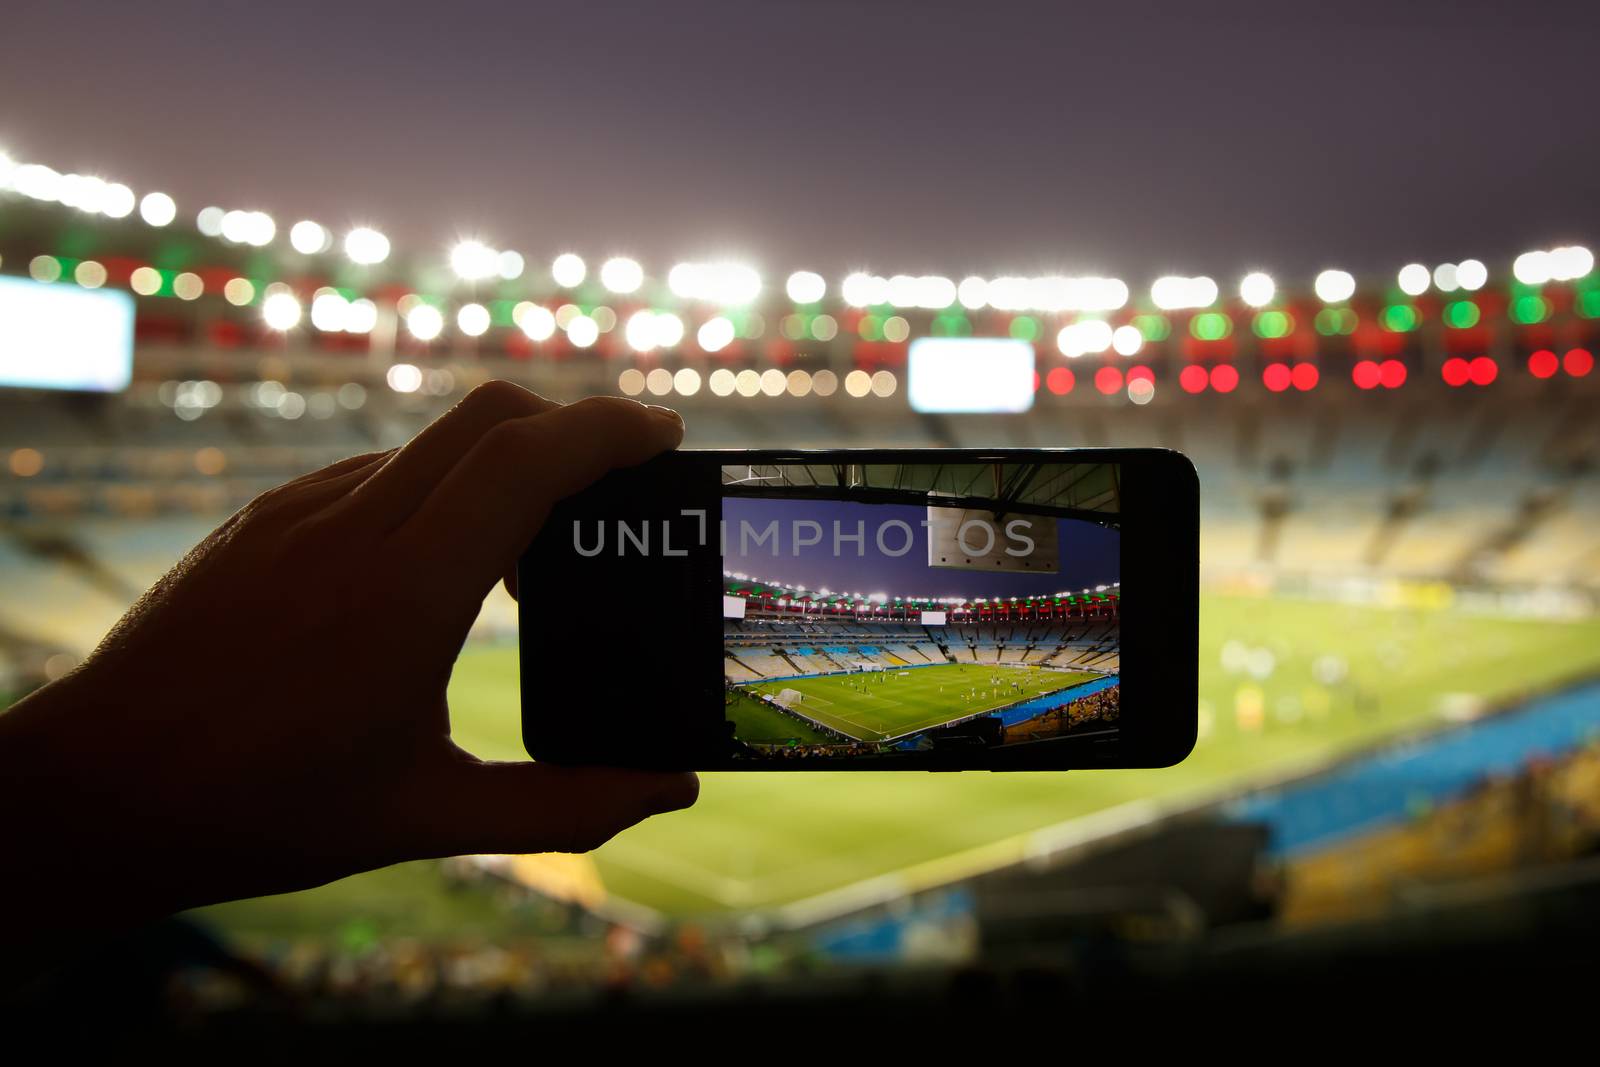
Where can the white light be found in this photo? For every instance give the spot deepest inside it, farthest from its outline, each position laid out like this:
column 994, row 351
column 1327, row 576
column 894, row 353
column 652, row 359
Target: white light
column 864, row 290
column 973, row 292
column 934, row 292
column 281, row 311
column 640, row 332
column 1079, row 338
column 1445, row 278
column 424, row 322
column 716, row 334
column 967, row 374
column 723, row 284
column 473, row 319
column 330, row 312
column 310, row 238
column 366, row 246
column 119, row 201
column 1471, row 274
column 403, row 377
column 361, row 316
column 1414, row 279
column 1334, row 286
column 1257, row 289
column 582, row 331
column 8, row 167
column 1571, row 262
column 805, row 287
column 537, row 322
column 158, row 209
column 473, row 261
column 512, row 265
column 621, row 274
column 1532, row 268
column 668, row 330
column 209, row 221
column 722, row 381
column 236, row 226
column 1127, row 340
column 1173, row 292
column 568, row 270
column 37, row 181
column 686, row 382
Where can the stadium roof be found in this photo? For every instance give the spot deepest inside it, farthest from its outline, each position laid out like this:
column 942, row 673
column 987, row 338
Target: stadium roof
column 1090, row 491
column 736, row 585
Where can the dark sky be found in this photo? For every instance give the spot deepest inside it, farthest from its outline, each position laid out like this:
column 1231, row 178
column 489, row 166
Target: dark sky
column 1089, row 554
column 900, row 136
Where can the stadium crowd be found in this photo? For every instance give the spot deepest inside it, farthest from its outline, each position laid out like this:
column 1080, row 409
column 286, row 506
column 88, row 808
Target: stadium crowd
column 1101, row 707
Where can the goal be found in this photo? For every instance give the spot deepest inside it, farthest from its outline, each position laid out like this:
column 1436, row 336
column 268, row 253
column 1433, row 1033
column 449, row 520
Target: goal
column 790, row 697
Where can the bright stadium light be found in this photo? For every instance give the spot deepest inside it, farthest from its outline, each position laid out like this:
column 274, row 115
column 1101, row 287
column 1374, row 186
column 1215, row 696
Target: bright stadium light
column 1414, row 279
column 620, row 274
column 404, row 377
column 536, row 321
column 806, row 287
column 330, row 311
column 1081, row 338
column 1173, row 292
column 118, row 202
column 640, row 333
column 973, row 292
column 366, row 246
column 723, row 284
column 1445, row 278
column 1127, row 340
column 1257, row 289
column 473, row 319
column 474, row 261
column 1571, row 262
column 158, row 209
column 568, row 270
column 209, row 221
column 582, row 331
column 310, row 238
column 511, row 265
column 1334, row 286
column 1471, row 274
column 424, row 322
column 281, row 311
column 718, row 333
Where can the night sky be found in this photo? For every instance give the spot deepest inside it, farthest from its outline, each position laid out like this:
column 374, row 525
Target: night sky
column 913, row 136
column 1089, row 553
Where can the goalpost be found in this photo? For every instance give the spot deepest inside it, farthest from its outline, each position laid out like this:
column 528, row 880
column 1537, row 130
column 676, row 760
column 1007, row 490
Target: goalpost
column 790, row 697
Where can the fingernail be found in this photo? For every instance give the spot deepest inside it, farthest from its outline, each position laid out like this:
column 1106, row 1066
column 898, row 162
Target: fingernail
column 680, row 792
column 666, row 413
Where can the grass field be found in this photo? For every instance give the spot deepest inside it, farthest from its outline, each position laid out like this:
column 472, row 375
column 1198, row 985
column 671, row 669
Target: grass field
column 765, row 840
column 879, row 705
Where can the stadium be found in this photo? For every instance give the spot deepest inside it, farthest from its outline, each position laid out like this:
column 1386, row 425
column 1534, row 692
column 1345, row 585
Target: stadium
column 1400, row 649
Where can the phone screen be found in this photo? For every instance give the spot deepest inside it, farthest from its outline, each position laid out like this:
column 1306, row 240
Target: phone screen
column 872, row 610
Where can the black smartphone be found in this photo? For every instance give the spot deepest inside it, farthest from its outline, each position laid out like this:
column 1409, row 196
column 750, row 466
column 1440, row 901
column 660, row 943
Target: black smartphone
column 915, row 609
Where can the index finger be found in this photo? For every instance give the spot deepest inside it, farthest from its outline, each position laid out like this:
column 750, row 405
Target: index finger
column 481, row 516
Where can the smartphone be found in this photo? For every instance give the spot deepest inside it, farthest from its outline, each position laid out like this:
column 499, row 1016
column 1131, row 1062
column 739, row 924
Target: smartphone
column 896, row 609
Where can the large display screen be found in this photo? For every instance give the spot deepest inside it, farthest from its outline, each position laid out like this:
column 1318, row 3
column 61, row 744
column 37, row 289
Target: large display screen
column 60, row 336
column 909, row 608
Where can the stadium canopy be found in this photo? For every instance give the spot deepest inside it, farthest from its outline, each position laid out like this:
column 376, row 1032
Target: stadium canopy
column 1090, row 491
column 774, row 592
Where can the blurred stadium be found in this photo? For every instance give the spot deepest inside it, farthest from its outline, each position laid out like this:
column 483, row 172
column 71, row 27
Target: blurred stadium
column 1399, row 712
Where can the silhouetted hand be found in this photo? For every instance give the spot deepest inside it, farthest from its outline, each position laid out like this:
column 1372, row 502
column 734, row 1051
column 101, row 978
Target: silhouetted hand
column 271, row 715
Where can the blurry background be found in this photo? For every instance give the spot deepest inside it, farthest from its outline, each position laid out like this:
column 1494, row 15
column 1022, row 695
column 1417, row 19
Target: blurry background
column 1337, row 258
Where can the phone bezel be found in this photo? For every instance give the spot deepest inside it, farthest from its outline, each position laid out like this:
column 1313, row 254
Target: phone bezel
column 1159, row 616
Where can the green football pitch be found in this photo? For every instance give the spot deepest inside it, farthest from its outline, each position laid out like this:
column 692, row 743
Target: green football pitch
column 1340, row 677
column 880, row 705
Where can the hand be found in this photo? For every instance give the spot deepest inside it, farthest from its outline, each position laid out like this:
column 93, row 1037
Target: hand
column 271, row 715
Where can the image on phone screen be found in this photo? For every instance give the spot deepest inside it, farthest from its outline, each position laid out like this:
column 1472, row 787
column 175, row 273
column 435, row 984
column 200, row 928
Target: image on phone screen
column 870, row 610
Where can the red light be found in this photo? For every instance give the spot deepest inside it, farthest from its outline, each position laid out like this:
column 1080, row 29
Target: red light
column 1276, row 377
column 1483, row 370
column 1060, row 381
column 1543, row 363
column 1108, row 380
column 1140, row 371
column 1366, row 374
column 1304, row 376
column 1579, row 361
column 1455, row 372
column 1036, row 381
column 1193, row 378
column 1392, row 374
column 1224, row 377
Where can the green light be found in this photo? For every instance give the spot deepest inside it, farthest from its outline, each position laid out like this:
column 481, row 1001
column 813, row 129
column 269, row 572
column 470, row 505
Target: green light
column 1153, row 327
column 871, row 328
column 1400, row 318
column 1461, row 315
column 1025, row 328
column 1332, row 322
column 1588, row 303
column 1210, row 326
column 1529, row 309
column 951, row 324
column 1273, row 324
